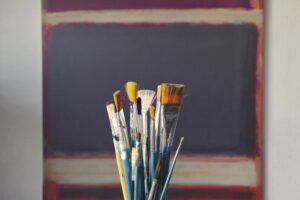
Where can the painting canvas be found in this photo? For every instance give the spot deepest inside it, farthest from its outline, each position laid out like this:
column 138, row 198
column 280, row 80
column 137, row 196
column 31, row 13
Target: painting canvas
column 214, row 47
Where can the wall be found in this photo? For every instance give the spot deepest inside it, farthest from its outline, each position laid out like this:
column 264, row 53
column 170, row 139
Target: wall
column 20, row 100
column 21, row 108
column 282, row 100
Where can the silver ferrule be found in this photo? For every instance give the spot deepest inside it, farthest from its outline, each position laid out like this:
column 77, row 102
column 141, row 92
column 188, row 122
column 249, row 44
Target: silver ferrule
column 138, row 161
column 145, row 124
column 157, row 118
column 114, row 135
column 124, row 127
column 133, row 121
column 171, row 139
column 163, row 139
column 139, row 126
column 118, row 130
column 152, row 136
column 170, row 115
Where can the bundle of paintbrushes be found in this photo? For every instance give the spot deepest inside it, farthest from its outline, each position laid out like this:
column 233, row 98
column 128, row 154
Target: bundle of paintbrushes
column 143, row 154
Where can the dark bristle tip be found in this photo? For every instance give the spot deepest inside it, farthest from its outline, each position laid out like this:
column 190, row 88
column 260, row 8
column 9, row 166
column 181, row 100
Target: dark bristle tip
column 139, row 105
column 138, row 137
column 109, row 102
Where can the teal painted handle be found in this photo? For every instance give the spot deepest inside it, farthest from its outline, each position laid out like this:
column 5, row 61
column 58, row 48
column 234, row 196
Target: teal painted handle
column 126, row 171
column 137, row 184
column 152, row 166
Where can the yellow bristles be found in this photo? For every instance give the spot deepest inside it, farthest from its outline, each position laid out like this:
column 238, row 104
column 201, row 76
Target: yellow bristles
column 152, row 112
column 131, row 90
column 118, row 100
column 171, row 94
column 158, row 95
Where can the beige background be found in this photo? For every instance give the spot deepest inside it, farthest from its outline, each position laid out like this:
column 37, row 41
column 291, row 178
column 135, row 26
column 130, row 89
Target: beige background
column 21, row 107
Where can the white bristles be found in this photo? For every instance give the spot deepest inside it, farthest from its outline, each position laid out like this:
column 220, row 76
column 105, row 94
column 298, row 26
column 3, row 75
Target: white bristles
column 147, row 97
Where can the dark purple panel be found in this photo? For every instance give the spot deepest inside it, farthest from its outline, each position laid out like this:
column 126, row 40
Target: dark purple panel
column 87, row 62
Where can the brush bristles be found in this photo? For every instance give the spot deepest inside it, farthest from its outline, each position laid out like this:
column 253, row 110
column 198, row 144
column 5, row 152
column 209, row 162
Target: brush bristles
column 131, row 90
column 147, row 97
column 158, row 93
column 152, row 112
column 118, row 100
column 110, row 107
column 171, row 94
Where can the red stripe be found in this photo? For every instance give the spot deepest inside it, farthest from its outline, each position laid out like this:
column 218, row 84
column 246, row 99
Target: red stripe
column 65, row 5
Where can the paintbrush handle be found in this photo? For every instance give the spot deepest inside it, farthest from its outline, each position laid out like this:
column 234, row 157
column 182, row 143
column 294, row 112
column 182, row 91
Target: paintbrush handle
column 124, row 127
column 152, row 151
column 137, row 184
column 145, row 162
column 137, row 171
column 153, row 189
column 166, row 184
column 152, row 165
column 121, row 175
column 126, row 171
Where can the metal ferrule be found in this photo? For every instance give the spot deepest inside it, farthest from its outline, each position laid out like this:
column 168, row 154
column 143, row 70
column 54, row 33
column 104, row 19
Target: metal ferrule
column 138, row 160
column 119, row 130
column 133, row 121
column 157, row 118
column 169, row 120
column 114, row 135
column 124, row 127
column 152, row 136
column 139, row 124
column 145, row 124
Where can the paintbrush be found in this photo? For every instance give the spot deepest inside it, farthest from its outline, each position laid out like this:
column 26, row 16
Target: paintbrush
column 155, row 181
column 111, row 115
column 147, row 97
column 124, row 141
column 171, row 97
column 131, row 90
column 157, row 121
column 119, row 108
column 152, row 143
column 138, row 155
column 164, row 190
column 138, row 162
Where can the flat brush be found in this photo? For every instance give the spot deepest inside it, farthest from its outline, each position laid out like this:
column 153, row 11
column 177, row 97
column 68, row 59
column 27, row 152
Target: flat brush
column 119, row 109
column 147, row 97
column 112, row 114
column 154, row 185
column 152, row 143
column 171, row 101
column 131, row 90
column 124, row 142
column 164, row 190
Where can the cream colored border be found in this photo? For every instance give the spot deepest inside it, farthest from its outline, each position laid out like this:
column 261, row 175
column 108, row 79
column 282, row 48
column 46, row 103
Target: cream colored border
column 210, row 16
column 187, row 172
